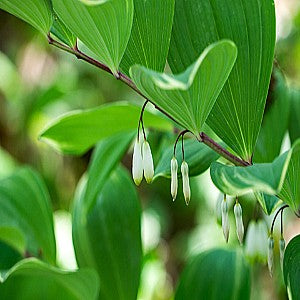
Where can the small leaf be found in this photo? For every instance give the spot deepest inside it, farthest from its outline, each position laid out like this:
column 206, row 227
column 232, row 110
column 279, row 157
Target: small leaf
column 294, row 121
column 198, row 156
column 150, row 36
column 237, row 114
column 35, row 12
column 76, row 132
column 108, row 238
column 290, row 192
column 23, row 197
column 291, row 267
column 189, row 96
column 33, row 279
column 272, row 132
column 268, row 202
column 237, row 181
column 104, row 27
column 215, row 274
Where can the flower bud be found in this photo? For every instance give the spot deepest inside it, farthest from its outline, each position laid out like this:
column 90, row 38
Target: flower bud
column 271, row 255
column 174, row 178
column 281, row 250
column 148, row 162
column 238, row 213
column 225, row 220
column 186, row 182
column 137, row 163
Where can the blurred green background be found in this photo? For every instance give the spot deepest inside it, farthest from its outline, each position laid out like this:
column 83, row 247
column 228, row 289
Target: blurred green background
column 39, row 83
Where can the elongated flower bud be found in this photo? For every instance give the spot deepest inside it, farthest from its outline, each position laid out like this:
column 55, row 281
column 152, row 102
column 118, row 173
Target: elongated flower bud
column 174, row 178
column 281, row 250
column 148, row 162
column 271, row 255
column 225, row 220
column 238, row 213
column 186, row 182
column 137, row 163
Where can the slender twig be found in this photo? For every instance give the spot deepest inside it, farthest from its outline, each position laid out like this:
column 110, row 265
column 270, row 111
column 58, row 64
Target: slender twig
column 276, row 215
column 141, row 120
column 125, row 79
column 182, row 133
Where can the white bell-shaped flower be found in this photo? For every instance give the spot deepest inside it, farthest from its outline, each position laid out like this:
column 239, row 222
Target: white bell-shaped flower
column 271, row 254
column 174, row 177
column 281, row 250
column 186, row 182
column 238, row 213
column 147, row 162
column 225, row 219
column 137, row 162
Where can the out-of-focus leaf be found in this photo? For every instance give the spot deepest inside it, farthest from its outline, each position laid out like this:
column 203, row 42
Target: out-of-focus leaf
column 198, row 156
column 237, row 114
column 237, row 181
column 7, row 163
column 215, row 274
column 60, row 30
column 272, row 131
column 13, row 237
column 25, row 207
column 105, row 27
column 291, row 267
column 294, row 121
column 76, row 132
column 290, row 192
column 189, row 96
column 9, row 256
column 33, row 279
column 150, row 36
column 35, row 12
column 108, row 238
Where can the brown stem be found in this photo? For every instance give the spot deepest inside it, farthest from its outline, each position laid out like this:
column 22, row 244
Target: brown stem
column 124, row 78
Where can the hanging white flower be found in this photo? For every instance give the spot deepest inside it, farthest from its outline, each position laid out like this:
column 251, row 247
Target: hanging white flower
column 225, row 219
column 137, row 162
column 281, row 250
column 271, row 255
column 174, row 178
column 238, row 213
column 147, row 162
column 186, row 182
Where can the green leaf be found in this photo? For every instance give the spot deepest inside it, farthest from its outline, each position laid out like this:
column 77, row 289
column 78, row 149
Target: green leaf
column 104, row 27
column 237, row 181
column 189, row 96
column 269, row 144
column 23, row 197
column 290, row 192
column 215, row 274
column 268, row 202
column 198, row 156
column 33, row 279
column 237, row 114
column 76, row 132
column 294, row 121
column 9, row 256
column 108, row 238
column 35, row 12
column 291, row 267
column 60, row 30
column 150, row 36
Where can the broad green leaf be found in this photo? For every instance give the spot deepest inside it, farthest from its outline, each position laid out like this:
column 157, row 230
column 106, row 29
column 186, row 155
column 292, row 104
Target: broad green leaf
column 268, row 202
column 294, row 121
column 198, row 156
column 237, row 114
column 9, row 256
column 13, row 237
column 104, row 27
column 108, row 238
column 237, row 181
column 35, row 12
column 189, row 96
column 272, row 131
column 150, row 36
column 25, row 207
column 33, row 279
column 215, row 274
column 60, row 30
column 76, row 132
column 291, row 268
column 290, row 192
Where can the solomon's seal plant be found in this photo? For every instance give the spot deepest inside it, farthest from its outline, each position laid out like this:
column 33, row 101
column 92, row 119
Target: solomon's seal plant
column 204, row 69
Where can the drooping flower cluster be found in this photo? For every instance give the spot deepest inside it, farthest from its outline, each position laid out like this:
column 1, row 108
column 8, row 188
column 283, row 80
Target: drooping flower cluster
column 142, row 162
